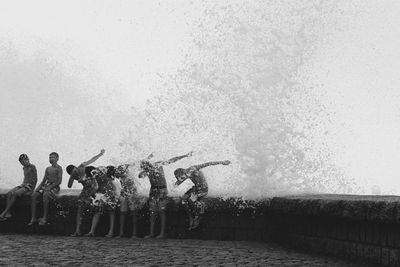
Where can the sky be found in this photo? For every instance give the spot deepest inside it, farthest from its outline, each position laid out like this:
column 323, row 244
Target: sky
column 357, row 68
column 69, row 68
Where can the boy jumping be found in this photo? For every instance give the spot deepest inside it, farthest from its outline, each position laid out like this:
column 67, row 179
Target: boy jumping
column 193, row 198
column 158, row 191
column 48, row 188
column 29, row 183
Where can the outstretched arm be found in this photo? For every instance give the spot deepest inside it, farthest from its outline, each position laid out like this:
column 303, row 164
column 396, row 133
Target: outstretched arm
column 201, row 166
column 90, row 161
column 175, row 159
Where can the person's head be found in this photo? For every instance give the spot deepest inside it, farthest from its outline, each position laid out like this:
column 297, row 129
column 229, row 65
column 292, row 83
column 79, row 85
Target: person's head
column 110, row 171
column 180, row 175
column 70, row 169
column 24, row 160
column 120, row 171
column 53, row 157
column 146, row 165
column 73, row 174
column 89, row 171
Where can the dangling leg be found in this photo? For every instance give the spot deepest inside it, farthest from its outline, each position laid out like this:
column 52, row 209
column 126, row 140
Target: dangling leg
column 34, row 197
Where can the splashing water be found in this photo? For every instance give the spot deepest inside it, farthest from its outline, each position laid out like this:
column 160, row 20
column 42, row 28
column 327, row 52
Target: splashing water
column 238, row 97
column 244, row 81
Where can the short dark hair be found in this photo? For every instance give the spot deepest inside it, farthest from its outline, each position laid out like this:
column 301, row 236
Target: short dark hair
column 110, row 171
column 70, row 168
column 88, row 171
column 54, row 154
column 179, row 172
column 146, row 165
column 23, row 157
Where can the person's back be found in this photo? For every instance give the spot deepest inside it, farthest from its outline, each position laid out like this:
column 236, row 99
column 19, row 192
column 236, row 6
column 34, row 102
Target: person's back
column 30, row 176
column 198, row 179
column 157, row 178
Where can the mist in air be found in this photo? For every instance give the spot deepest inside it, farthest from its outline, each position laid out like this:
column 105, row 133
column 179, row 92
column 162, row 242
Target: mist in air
column 301, row 96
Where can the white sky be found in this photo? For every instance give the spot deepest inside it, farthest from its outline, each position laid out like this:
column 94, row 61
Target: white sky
column 67, row 64
column 95, row 53
column 358, row 69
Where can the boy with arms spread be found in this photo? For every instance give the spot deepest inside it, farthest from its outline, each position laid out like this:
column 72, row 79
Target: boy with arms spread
column 106, row 197
column 192, row 199
column 129, row 199
column 158, row 191
column 29, row 183
column 49, row 188
column 90, row 187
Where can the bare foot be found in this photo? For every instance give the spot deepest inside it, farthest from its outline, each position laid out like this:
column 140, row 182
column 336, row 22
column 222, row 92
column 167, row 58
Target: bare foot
column 160, row 236
column 90, row 234
column 42, row 221
column 134, row 237
column 196, row 222
column 76, row 234
column 32, row 222
column 109, row 235
column 8, row 215
column 149, row 236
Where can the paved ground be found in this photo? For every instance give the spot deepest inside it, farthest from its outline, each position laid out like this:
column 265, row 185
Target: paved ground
column 39, row 250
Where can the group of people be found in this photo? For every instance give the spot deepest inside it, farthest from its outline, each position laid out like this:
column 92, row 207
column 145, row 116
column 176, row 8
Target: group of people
column 107, row 188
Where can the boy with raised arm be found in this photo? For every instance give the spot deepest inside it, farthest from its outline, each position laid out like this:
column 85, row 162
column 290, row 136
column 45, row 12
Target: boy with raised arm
column 90, row 187
column 106, row 197
column 158, row 191
column 129, row 199
column 193, row 198
column 48, row 188
column 28, row 184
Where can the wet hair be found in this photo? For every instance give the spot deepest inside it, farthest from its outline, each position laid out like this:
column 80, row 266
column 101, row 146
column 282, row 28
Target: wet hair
column 110, row 171
column 23, row 157
column 179, row 172
column 54, row 154
column 70, row 168
column 146, row 165
column 88, row 171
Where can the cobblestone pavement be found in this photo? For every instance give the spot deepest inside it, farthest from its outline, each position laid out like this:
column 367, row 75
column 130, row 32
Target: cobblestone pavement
column 40, row 250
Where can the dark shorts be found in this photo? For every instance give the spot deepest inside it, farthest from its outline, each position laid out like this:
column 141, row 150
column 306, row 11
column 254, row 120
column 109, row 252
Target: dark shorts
column 158, row 199
column 85, row 197
column 21, row 190
column 53, row 192
column 200, row 192
column 196, row 207
column 132, row 203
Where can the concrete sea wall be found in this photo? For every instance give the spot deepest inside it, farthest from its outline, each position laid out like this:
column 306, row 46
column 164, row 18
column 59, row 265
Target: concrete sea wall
column 358, row 228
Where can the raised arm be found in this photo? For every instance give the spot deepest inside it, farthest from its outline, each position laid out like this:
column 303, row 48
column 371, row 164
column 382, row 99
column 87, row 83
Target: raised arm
column 90, row 161
column 201, row 166
column 175, row 159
